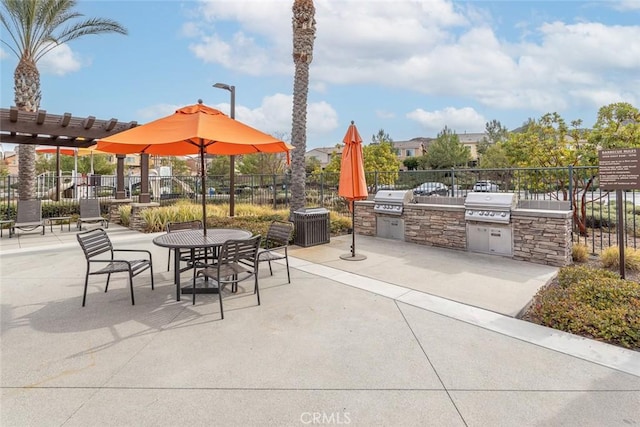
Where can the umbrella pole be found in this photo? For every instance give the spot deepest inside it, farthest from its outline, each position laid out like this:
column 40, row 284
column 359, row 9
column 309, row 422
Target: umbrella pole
column 353, row 228
column 352, row 256
column 203, row 175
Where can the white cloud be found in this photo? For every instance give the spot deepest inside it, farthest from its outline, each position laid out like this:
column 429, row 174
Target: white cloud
column 274, row 116
column 625, row 5
column 433, row 47
column 61, row 60
column 458, row 119
column 3, row 54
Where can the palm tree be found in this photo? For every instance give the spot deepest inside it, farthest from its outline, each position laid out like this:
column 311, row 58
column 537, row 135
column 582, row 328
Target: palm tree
column 36, row 27
column 304, row 33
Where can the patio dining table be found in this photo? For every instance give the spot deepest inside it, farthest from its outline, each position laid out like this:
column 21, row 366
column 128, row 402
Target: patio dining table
column 196, row 239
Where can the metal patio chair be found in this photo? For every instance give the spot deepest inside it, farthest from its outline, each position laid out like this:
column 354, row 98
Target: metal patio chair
column 237, row 261
column 28, row 217
column 99, row 251
column 90, row 213
column 276, row 243
column 185, row 254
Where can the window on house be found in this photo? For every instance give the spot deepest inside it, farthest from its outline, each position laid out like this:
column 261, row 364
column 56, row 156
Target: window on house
column 409, row 153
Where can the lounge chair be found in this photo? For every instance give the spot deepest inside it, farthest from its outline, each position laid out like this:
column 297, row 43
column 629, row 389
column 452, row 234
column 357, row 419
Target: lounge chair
column 90, row 213
column 29, row 217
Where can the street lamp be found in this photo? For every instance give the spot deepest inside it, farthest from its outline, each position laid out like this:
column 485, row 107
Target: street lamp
column 232, row 159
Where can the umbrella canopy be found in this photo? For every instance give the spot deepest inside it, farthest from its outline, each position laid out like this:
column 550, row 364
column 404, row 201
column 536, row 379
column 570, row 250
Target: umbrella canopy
column 68, row 151
column 352, row 185
column 189, row 131
column 195, row 129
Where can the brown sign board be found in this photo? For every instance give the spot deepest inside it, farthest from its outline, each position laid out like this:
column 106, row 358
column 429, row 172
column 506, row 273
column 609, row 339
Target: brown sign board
column 619, row 169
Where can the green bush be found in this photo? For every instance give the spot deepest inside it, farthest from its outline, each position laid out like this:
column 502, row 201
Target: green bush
column 592, row 303
column 576, row 274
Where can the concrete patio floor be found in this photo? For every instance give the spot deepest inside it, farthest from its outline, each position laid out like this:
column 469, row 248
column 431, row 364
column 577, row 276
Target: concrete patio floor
column 411, row 335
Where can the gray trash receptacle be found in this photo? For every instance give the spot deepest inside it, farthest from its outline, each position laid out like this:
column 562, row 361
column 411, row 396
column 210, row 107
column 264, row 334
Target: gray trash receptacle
column 312, row 227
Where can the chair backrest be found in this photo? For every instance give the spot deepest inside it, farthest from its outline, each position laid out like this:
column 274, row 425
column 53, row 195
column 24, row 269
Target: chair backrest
column 94, row 242
column 279, row 234
column 29, row 211
column 186, row 225
column 90, row 208
column 239, row 250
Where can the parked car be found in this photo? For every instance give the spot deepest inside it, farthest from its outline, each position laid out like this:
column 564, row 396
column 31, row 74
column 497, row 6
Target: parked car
column 431, row 189
column 486, row 187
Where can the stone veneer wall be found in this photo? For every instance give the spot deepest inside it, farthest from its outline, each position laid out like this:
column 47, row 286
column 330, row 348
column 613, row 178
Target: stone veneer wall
column 435, row 225
column 542, row 237
column 365, row 218
column 114, row 209
column 539, row 236
column 136, row 222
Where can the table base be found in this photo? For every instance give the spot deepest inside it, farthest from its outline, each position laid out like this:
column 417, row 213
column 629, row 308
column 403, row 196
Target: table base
column 201, row 287
column 189, row 290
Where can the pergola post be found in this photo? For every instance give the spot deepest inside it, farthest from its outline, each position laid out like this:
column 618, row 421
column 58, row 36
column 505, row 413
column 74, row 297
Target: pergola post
column 145, row 197
column 120, row 193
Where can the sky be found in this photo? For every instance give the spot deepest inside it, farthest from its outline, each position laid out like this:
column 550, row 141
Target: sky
column 409, row 68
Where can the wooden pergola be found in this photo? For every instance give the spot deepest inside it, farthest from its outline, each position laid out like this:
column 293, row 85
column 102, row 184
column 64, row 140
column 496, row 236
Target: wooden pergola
column 41, row 128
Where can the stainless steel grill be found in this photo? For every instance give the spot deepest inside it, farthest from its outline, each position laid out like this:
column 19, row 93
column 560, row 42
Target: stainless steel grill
column 391, row 202
column 489, row 207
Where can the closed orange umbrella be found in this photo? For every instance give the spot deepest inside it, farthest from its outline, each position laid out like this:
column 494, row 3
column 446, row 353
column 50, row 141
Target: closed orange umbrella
column 353, row 184
column 195, row 129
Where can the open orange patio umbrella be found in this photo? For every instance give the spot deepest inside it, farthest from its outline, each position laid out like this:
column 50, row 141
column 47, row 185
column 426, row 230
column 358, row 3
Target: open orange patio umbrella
column 352, row 185
column 194, row 129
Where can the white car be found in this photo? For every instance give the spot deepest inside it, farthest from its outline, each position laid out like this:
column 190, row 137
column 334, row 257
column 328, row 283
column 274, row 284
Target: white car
column 486, row 187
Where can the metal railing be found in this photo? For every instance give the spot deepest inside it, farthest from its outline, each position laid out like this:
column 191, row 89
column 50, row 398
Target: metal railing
column 594, row 222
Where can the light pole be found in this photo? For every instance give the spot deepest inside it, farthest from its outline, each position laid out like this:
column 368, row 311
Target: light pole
column 232, row 159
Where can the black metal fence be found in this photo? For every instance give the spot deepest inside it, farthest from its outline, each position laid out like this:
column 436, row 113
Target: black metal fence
column 595, row 215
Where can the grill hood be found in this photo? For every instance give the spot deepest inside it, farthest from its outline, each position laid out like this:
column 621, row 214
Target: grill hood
column 490, row 201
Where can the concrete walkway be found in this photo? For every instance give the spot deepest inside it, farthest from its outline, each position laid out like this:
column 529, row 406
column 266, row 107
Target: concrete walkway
column 411, row 335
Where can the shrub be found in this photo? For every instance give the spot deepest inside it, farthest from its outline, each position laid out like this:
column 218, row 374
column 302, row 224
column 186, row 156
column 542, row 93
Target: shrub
column 577, row 274
column 591, row 303
column 610, row 258
column 125, row 215
column 580, row 252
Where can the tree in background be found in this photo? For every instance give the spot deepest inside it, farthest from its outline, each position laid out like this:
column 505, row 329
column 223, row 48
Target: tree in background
column 495, row 157
column 495, row 133
column 380, row 137
column 445, row 152
column 313, row 165
column 101, row 164
column 35, row 27
column 304, row 34
column 549, row 143
column 219, row 165
column 617, row 126
column 378, row 157
column 411, row 163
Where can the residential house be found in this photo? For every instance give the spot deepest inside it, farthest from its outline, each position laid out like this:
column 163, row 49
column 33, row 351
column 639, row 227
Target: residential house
column 471, row 140
column 414, row 147
column 323, row 154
